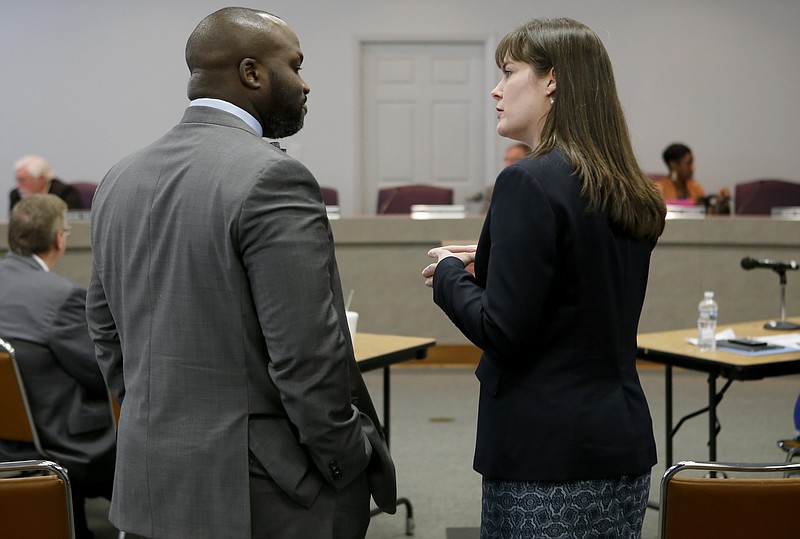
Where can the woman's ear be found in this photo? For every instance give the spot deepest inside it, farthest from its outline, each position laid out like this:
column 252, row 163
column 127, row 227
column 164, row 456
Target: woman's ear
column 551, row 83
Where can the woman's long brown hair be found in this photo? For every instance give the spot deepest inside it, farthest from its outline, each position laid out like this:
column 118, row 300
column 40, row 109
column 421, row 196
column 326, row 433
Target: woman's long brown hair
column 586, row 121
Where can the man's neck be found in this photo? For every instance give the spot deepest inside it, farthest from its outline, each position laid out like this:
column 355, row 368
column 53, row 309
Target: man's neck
column 230, row 108
column 48, row 259
column 38, row 259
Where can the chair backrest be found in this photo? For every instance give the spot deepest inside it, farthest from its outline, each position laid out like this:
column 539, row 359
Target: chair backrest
column 86, row 189
column 35, row 507
column 330, row 196
column 16, row 421
column 733, row 507
column 392, row 200
column 760, row 196
column 116, row 409
column 25, row 363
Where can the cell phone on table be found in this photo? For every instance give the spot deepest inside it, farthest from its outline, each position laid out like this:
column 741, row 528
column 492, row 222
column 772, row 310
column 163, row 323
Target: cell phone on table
column 752, row 343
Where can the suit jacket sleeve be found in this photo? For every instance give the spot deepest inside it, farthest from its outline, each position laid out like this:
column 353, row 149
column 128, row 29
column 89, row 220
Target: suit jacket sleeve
column 103, row 331
column 71, row 344
column 518, row 249
column 287, row 250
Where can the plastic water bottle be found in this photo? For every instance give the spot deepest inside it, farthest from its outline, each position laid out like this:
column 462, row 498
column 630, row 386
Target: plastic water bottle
column 707, row 322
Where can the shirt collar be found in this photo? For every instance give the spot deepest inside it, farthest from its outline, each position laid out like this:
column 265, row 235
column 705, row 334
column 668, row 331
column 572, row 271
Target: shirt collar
column 40, row 262
column 226, row 106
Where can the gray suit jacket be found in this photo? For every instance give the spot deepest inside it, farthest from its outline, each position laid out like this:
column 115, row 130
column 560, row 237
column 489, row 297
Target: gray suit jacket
column 43, row 316
column 217, row 312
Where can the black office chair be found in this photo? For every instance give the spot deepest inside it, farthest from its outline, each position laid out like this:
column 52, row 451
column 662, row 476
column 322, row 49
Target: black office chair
column 792, row 446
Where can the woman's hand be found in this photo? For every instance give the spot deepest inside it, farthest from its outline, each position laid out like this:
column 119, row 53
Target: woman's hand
column 465, row 253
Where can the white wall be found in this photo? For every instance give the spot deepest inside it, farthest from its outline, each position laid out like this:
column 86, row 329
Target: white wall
column 87, row 81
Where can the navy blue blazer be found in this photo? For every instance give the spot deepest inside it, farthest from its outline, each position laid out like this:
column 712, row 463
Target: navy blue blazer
column 554, row 305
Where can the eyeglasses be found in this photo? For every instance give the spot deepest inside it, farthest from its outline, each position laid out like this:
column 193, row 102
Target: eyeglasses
column 67, row 230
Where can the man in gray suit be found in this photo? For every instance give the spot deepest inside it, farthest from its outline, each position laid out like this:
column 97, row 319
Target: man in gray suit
column 44, row 318
column 216, row 309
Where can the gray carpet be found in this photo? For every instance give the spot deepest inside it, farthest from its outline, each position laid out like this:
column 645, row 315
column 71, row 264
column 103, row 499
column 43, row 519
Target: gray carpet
column 463, row 533
column 433, row 426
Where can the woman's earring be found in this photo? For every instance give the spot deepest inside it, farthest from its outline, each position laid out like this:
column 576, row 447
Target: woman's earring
column 552, row 99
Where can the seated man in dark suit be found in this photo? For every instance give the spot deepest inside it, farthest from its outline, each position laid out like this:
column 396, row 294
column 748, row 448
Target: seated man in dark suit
column 44, row 318
column 34, row 176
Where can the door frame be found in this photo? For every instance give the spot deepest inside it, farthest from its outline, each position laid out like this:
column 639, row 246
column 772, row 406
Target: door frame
column 490, row 76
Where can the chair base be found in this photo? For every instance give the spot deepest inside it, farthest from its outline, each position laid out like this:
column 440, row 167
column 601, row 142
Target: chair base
column 792, row 448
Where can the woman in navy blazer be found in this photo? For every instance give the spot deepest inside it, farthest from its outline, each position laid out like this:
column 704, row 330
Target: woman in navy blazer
column 565, row 440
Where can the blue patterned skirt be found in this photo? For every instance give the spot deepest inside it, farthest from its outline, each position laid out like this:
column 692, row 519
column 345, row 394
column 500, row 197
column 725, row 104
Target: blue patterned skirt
column 599, row 508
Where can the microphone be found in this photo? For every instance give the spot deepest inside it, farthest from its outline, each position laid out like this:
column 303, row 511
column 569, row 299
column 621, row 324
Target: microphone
column 750, row 263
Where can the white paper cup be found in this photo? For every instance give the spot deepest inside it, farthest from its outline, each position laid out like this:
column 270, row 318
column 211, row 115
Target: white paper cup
column 352, row 322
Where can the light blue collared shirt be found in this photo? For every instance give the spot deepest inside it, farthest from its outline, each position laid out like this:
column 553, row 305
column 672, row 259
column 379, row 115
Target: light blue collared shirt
column 240, row 113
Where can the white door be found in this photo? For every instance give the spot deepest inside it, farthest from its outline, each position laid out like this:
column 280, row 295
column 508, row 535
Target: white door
column 423, row 114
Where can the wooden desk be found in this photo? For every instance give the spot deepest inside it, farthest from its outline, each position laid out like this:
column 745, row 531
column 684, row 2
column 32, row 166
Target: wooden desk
column 374, row 351
column 671, row 349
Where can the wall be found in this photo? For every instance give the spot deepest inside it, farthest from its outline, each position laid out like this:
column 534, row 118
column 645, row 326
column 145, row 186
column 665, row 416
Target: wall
column 87, row 81
column 381, row 258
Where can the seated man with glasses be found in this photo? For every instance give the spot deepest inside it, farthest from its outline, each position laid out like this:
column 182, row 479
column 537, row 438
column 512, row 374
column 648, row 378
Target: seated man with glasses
column 43, row 316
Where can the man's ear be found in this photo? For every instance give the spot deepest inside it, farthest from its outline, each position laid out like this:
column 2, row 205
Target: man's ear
column 60, row 242
column 250, row 73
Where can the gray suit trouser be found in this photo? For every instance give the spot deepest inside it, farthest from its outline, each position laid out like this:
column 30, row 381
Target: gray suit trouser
column 342, row 514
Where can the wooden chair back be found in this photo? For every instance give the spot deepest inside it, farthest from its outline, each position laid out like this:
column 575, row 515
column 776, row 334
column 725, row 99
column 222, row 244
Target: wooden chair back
column 15, row 422
column 35, row 507
column 330, row 196
column 393, row 200
column 729, row 507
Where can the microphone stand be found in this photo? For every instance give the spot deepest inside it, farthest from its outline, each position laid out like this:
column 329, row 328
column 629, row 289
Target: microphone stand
column 782, row 324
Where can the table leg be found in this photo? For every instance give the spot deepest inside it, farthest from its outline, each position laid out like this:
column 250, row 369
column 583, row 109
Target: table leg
column 712, row 417
column 410, row 525
column 668, row 405
column 386, row 400
column 714, row 399
column 668, row 420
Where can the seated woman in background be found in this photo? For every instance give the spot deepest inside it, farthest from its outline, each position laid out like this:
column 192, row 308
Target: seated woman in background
column 681, row 186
